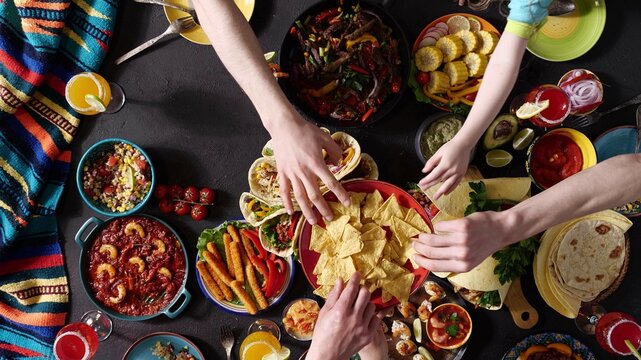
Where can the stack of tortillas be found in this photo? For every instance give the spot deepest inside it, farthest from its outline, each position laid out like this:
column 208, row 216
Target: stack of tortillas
column 580, row 259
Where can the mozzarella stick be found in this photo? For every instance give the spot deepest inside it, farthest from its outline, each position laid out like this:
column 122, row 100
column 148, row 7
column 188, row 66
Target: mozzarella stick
column 230, row 264
column 218, row 267
column 253, row 283
column 213, row 249
column 229, row 296
column 244, row 297
column 247, row 244
column 209, row 282
column 237, row 260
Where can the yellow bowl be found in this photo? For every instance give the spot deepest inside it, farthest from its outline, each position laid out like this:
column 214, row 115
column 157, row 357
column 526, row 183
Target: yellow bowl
column 588, row 153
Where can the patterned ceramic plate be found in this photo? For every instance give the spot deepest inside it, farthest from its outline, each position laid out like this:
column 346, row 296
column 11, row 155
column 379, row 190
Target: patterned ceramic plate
column 142, row 348
column 548, row 338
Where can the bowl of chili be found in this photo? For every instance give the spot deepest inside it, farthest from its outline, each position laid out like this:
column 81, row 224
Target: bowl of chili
column 345, row 64
column 558, row 155
column 133, row 268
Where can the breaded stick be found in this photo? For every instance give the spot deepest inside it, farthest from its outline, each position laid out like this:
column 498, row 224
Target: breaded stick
column 247, row 244
column 237, row 260
column 218, row 267
column 210, row 283
column 229, row 296
column 213, row 249
column 233, row 232
column 253, row 283
column 230, row 264
column 244, row 297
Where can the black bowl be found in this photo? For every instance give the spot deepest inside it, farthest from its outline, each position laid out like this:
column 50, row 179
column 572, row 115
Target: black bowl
column 289, row 49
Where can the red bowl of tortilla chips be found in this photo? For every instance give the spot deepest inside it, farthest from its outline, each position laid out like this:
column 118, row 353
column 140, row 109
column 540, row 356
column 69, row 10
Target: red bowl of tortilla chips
column 373, row 236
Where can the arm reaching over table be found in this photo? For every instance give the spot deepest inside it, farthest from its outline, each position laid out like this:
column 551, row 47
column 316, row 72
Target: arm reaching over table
column 461, row 244
column 346, row 323
column 449, row 163
column 298, row 144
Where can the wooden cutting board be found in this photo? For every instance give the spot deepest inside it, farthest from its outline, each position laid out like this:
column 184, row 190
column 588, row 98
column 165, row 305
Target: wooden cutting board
column 524, row 315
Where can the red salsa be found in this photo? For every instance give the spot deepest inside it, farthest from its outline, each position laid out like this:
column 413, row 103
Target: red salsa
column 136, row 266
column 554, row 158
column 449, row 326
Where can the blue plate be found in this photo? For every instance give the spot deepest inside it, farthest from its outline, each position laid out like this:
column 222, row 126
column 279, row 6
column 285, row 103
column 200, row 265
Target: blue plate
column 548, row 338
column 142, row 348
column 618, row 141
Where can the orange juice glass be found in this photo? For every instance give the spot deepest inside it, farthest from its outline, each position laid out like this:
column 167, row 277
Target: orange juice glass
column 258, row 344
column 89, row 94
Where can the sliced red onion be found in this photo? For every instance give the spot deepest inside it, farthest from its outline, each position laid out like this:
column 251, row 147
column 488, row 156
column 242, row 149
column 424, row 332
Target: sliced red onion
column 583, row 93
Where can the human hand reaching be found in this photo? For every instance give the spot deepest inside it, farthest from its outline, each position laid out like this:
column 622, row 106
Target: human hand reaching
column 346, row 323
column 298, row 148
column 447, row 165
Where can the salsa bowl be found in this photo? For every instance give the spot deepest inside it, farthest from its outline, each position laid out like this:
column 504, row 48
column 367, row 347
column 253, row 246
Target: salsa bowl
column 133, row 268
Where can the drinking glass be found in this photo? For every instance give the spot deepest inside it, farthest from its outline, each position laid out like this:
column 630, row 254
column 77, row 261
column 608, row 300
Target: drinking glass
column 89, row 94
column 611, row 329
column 79, row 340
column 556, row 112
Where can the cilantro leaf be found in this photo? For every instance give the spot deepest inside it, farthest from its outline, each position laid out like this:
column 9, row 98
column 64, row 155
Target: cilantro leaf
column 452, row 330
column 490, row 299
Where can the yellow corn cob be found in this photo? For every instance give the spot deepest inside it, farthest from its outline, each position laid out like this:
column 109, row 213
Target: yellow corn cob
column 428, row 58
column 439, row 82
column 488, row 42
column 457, row 71
column 470, row 40
column 476, row 64
column 451, row 46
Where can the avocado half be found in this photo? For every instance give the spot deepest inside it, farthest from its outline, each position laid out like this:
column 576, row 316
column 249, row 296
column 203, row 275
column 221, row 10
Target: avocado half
column 501, row 131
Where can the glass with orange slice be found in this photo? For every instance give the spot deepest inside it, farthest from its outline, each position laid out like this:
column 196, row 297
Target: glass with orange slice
column 262, row 345
column 89, row 93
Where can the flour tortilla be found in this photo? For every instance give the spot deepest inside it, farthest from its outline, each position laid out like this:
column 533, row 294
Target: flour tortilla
column 482, row 278
column 351, row 155
column 245, row 204
column 263, row 180
column 366, row 169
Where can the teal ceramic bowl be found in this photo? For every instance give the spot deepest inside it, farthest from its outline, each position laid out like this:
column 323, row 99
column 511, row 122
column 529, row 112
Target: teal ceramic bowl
column 85, row 238
column 94, row 152
column 141, row 349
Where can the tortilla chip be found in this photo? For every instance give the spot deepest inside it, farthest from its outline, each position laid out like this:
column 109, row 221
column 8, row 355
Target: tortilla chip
column 385, row 296
column 383, row 215
column 377, row 274
column 354, row 209
column 402, row 229
column 335, row 227
column 391, row 269
column 373, row 232
column 400, row 287
column 338, row 209
column 321, row 264
column 350, row 243
column 413, row 218
column 320, row 240
column 368, row 258
column 323, row 291
column 372, row 202
column 345, row 268
column 442, row 216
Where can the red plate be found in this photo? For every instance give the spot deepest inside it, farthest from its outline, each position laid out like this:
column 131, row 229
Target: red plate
column 309, row 258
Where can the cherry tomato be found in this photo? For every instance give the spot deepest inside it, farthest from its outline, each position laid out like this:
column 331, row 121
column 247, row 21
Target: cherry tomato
column 207, row 196
column 161, row 191
column 109, row 189
column 112, row 161
column 176, row 192
column 166, row 205
column 471, row 97
column 142, row 164
column 198, row 212
column 182, row 208
column 103, row 172
column 191, row 194
column 423, row 78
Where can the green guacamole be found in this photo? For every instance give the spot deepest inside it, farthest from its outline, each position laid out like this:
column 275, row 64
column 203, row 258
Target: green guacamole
column 438, row 133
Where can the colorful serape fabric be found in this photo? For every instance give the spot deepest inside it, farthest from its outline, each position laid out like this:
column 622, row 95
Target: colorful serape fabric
column 43, row 43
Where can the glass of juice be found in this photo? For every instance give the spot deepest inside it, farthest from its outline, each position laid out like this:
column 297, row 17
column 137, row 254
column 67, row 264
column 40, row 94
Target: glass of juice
column 259, row 344
column 76, row 341
column 557, row 111
column 613, row 329
column 89, row 94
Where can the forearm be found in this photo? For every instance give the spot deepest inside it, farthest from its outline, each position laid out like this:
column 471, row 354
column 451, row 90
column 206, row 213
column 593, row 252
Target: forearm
column 239, row 50
column 498, row 81
column 611, row 183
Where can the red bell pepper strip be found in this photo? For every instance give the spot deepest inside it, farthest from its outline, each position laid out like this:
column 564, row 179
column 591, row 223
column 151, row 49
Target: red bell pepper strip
column 270, row 288
column 358, row 69
column 282, row 268
column 253, row 236
column 292, row 226
column 367, row 114
column 333, row 12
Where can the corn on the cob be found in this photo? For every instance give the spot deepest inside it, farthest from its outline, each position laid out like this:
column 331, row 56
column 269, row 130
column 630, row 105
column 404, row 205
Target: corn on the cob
column 451, row 46
column 457, row 71
column 470, row 40
column 439, row 82
column 428, row 58
column 476, row 64
column 488, row 42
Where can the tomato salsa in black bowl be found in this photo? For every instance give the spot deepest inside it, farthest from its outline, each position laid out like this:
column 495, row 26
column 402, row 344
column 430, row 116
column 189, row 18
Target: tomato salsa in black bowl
column 133, row 267
column 344, row 64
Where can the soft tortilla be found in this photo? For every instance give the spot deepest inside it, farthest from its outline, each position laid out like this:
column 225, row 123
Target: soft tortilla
column 266, row 189
column 346, row 142
column 251, row 218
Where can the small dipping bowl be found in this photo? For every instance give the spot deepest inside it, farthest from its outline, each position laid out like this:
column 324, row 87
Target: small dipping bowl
column 292, row 334
column 425, row 126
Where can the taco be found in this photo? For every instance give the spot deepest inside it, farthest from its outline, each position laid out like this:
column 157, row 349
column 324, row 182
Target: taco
column 480, row 286
column 350, row 158
column 366, row 169
column 263, row 180
column 257, row 211
column 279, row 235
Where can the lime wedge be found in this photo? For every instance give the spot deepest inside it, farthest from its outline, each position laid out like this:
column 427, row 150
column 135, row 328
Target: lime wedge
column 498, row 158
column 529, row 109
column 634, row 350
column 270, row 56
column 426, row 354
column 283, row 354
column 95, row 103
column 523, row 139
column 418, row 330
column 130, row 177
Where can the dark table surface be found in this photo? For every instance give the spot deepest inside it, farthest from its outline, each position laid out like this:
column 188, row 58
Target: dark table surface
column 199, row 128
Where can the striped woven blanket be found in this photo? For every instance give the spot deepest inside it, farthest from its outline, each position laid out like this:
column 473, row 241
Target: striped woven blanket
column 43, row 43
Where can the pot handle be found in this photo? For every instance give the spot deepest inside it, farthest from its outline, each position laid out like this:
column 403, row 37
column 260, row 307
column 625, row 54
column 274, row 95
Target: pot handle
column 92, row 220
column 185, row 301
